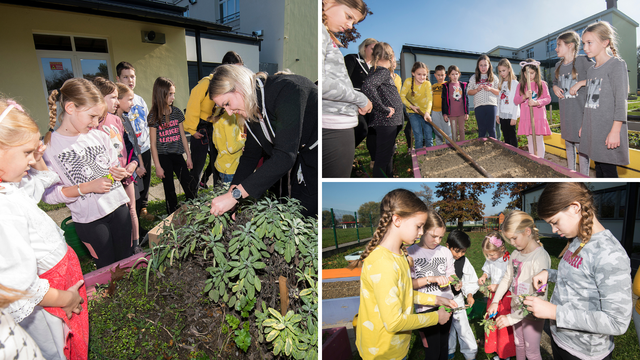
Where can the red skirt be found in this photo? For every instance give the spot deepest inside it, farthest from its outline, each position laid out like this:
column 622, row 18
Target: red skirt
column 501, row 341
column 64, row 275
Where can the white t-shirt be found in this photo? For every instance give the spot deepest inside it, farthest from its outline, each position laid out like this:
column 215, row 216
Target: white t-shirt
column 495, row 269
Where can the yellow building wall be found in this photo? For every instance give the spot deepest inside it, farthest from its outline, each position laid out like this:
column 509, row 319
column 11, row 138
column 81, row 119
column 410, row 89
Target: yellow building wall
column 301, row 38
column 20, row 75
column 627, row 48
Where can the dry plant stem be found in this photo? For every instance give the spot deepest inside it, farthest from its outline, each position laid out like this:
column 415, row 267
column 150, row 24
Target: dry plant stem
column 453, row 143
column 284, row 295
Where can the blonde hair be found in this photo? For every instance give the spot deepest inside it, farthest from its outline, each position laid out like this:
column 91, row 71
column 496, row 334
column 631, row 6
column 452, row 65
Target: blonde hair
column 364, row 44
column 401, row 202
column 417, row 65
column 604, row 31
column 570, row 37
column 229, row 78
column 557, row 197
column 123, row 90
column 8, row 295
column 524, row 78
column 507, row 64
column 382, row 51
column 517, row 222
column 81, row 92
column 17, row 128
column 488, row 246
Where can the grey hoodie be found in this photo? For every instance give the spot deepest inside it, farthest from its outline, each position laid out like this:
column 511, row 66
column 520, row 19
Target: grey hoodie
column 338, row 94
column 593, row 295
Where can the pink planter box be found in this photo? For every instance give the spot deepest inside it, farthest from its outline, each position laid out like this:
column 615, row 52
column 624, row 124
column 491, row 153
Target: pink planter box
column 561, row 169
column 103, row 275
column 337, row 346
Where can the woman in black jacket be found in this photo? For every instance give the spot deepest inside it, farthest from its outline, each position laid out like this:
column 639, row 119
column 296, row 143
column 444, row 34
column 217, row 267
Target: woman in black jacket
column 358, row 67
column 281, row 114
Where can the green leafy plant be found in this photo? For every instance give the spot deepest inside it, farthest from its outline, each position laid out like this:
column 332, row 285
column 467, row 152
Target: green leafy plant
column 243, row 338
column 484, row 288
column 283, row 331
column 520, row 303
column 488, row 324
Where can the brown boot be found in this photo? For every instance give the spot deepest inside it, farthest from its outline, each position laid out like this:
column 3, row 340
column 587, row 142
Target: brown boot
column 145, row 215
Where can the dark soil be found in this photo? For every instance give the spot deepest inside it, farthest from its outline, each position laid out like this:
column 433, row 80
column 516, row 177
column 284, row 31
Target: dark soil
column 498, row 161
column 340, row 289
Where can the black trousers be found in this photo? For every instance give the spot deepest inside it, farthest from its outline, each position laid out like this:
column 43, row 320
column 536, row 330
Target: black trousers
column 604, row 170
column 142, row 184
column 110, row 236
column 337, row 153
column 200, row 148
column 561, row 354
column 438, row 340
column 362, row 130
column 381, row 140
column 509, row 132
column 175, row 164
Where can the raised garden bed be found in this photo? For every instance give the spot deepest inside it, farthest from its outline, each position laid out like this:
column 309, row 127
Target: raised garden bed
column 216, row 288
column 499, row 159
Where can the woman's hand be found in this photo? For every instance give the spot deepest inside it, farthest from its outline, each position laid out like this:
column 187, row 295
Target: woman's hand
column 540, row 279
column 222, row 204
column 443, row 316
column 99, row 186
column 540, row 308
column 613, row 139
column 118, row 173
column 367, row 109
column 502, row 322
column 159, row 172
column 74, row 305
column 558, row 91
column 391, row 112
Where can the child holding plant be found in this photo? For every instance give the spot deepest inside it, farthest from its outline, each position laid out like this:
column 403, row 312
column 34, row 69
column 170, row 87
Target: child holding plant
column 458, row 242
column 386, row 317
column 591, row 301
column 527, row 260
column 501, row 340
column 432, row 272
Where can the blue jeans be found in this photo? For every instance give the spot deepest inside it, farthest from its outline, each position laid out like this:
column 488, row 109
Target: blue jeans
column 226, row 178
column 486, row 118
column 422, row 131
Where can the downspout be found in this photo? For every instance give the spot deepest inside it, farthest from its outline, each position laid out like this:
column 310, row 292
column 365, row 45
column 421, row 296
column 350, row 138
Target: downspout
column 199, row 54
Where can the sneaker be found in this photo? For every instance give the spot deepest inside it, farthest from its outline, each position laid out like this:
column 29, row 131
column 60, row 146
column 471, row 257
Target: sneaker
column 145, row 215
column 138, row 249
column 451, row 356
column 202, row 185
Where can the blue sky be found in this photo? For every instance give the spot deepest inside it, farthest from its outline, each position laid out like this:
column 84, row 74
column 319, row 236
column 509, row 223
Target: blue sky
column 350, row 195
column 474, row 25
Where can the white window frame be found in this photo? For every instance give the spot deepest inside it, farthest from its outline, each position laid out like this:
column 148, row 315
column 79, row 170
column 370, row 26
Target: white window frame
column 75, row 57
column 226, row 18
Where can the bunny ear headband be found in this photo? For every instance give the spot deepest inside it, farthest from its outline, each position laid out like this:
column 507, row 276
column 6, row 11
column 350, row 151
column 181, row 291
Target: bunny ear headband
column 12, row 104
column 524, row 63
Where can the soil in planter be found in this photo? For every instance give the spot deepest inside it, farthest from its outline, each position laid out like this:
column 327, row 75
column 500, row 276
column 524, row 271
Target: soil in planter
column 498, row 161
column 174, row 320
column 340, row 289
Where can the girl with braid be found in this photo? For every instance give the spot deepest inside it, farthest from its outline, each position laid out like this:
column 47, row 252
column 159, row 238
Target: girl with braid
column 386, row 316
column 591, row 302
column 417, row 96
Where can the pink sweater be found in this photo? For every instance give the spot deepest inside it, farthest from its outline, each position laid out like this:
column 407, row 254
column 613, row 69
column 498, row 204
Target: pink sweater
column 539, row 113
column 80, row 159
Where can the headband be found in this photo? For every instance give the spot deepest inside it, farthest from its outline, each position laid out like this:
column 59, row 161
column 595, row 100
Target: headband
column 495, row 241
column 524, row 63
column 12, row 104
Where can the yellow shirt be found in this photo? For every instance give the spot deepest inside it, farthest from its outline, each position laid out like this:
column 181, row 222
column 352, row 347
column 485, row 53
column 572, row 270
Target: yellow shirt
column 199, row 106
column 636, row 290
column 228, row 139
column 422, row 98
column 436, row 89
column 397, row 81
column 386, row 315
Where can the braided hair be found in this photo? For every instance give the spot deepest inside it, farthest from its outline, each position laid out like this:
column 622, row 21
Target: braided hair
column 417, row 65
column 399, row 202
column 570, row 37
column 604, row 31
column 557, row 197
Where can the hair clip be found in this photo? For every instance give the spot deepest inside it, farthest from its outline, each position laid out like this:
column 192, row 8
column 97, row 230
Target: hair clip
column 12, row 104
column 495, row 241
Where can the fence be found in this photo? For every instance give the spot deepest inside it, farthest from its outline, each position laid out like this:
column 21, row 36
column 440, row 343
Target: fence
column 341, row 226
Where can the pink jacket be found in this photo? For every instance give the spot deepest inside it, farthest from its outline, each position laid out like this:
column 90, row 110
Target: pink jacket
column 539, row 112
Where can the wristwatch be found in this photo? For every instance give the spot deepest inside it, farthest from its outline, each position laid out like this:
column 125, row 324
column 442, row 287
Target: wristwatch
column 236, row 193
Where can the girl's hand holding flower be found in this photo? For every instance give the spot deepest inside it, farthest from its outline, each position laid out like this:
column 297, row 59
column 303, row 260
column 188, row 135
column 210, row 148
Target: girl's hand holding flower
column 540, row 308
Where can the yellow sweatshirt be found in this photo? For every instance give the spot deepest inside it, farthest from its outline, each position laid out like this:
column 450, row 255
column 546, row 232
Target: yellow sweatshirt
column 422, row 98
column 229, row 140
column 636, row 289
column 436, row 90
column 397, row 81
column 200, row 106
column 386, row 315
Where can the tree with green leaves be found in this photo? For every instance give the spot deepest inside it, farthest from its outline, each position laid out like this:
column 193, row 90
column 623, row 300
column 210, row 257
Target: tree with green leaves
column 348, row 217
column 368, row 212
column 461, row 201
column 513, row 191
column 326, row 219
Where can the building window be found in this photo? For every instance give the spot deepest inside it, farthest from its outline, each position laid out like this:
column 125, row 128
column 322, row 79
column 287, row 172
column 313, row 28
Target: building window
column 551, row 48
column 530, row 53
column 610, row 203
column 63, row 57
column 229, row 10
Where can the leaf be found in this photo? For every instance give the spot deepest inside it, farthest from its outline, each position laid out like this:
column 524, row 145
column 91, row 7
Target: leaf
column 269, row 322
column 208, row 286
column 259, row 265
column 278, row 345
column 242, row 339
column 272, row 335
column 258, row 284
column 276, row 314
column 288, row 345
column 214, row 295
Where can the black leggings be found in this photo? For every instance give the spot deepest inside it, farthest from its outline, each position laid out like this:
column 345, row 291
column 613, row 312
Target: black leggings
column 604, row 170
column 561, row 354
column 110, row 236
column 142, row 184
column 174, row 163
column 199, row 149
column 437, row 337
column 509, row 132
column 380, row 141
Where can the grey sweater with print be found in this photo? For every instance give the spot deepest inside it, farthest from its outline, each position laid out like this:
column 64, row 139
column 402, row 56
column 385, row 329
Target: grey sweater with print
column 338, row 95
column 593, row 296
column 572, row 106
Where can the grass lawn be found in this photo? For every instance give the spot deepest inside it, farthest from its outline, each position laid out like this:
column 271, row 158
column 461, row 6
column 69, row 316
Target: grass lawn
column 344, row 235
column 626, row 346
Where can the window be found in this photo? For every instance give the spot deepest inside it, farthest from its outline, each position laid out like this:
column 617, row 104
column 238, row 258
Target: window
column 229, row 10
column 611, row 203
column 530, row 53
column 551, row 48
column 62, row 57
